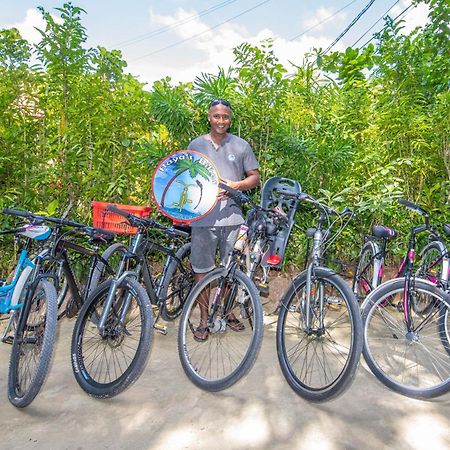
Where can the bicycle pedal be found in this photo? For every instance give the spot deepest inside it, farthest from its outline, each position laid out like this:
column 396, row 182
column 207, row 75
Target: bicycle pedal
column 8, row 340
column 262, row 288
column 160, row 328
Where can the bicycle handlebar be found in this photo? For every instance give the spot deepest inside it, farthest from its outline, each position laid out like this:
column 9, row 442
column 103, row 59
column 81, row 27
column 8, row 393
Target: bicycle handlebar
column 31, row 216
column 304, row 197
column 146, row 223
column 14, row 231
column 244, row 198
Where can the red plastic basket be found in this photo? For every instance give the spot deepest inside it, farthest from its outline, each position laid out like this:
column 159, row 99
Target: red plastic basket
column 110, row 221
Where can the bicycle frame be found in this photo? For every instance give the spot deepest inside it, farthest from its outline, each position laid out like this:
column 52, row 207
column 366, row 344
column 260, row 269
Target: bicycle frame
column 7, row 290
column 137, row 251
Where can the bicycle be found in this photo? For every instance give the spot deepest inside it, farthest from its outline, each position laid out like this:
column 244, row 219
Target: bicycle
column 33, row 318
column 52, row 265
column 434, row 258
column 227, row 300
column 319, row 328
column 407, row 348
column 113, row 333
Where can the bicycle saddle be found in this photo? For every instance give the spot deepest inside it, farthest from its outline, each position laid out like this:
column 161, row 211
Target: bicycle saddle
column 383, row 232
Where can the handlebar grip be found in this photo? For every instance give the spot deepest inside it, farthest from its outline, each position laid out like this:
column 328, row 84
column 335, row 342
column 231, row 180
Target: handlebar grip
column 179, row 233
column 236, row 193
column 116, row 210
column 16, row 212
column 93, row 231
column 413, row 206
column 232, row 191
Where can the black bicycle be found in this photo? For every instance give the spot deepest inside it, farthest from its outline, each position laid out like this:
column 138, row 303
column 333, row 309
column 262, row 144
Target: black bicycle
column 225, row 305
column 113, row 333
column 40, row 288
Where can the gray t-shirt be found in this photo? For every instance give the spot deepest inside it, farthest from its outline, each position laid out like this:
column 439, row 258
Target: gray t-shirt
column 233, row 158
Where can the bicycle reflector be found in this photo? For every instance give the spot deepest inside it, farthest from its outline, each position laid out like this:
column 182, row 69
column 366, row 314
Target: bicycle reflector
column 273, row 260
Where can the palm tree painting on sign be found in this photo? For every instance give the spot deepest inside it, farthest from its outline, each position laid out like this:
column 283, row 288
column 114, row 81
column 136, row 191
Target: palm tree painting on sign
column 185, row 186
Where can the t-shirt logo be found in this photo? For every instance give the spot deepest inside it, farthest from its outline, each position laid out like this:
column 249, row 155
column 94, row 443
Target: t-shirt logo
column 231, row 157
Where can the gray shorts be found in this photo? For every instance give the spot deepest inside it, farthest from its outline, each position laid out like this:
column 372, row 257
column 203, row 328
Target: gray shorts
column 204, row 243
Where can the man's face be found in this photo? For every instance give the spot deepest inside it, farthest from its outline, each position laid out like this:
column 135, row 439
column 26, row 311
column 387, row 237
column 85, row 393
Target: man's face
column 219, row 117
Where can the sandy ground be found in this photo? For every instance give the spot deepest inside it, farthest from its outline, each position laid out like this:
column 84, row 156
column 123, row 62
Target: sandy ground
column 164, row 410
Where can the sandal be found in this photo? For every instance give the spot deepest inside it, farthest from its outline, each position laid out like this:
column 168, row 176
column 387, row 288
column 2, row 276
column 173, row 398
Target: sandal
column 201, row 334
column 235, row 324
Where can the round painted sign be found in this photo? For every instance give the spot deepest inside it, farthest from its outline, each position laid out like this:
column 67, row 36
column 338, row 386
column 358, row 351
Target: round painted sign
column 185, row 186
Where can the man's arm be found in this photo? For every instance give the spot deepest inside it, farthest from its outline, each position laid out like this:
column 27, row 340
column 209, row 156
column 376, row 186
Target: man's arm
column 249, row 182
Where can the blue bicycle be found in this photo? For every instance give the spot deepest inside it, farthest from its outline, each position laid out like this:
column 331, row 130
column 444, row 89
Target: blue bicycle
column 31, row 302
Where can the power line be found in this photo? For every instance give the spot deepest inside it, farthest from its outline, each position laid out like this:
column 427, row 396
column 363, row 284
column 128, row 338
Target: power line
column 174, row 25
column 394, row 19
column 203, row 32
column 323, row 21
column 383, row 15
column 360, row 14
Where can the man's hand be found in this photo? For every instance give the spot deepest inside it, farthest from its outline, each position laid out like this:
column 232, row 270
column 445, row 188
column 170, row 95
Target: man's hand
column 222, row 195
column 251, row 181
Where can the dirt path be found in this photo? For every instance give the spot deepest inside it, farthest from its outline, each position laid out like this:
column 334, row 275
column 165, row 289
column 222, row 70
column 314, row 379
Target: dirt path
column 163, row 410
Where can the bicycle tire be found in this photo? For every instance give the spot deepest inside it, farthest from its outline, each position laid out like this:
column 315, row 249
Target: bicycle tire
column 106, row 366
column 412, row 363
column 36, row 330
column 99, row 276
column 366, row 278
column 177, row 284
column 233, row 352
column 430, row 268
column 319, row 365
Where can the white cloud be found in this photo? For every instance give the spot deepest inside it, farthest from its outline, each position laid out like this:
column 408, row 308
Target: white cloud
column 210, row 48
column 27, row 28
column 416, row 16
column 321, row 15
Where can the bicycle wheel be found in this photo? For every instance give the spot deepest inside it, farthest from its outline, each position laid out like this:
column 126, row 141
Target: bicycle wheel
column 411, row 362
column 431, row 269
column 319, row 361
column 105, row 365
column 177, row 284
column 33, row 344
column 112, row 255
column 235, row 332
column 366, row 278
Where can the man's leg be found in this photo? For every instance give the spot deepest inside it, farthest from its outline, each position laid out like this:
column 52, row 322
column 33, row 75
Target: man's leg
column 203, row 252
column 227, row 239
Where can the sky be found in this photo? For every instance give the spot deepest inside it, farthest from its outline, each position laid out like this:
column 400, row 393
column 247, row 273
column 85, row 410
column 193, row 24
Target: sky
column 184, row 38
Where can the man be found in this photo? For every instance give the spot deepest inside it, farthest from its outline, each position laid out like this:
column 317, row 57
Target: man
column 237, row 167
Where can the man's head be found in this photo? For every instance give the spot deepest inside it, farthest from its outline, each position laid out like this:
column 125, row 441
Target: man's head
column 219, row 116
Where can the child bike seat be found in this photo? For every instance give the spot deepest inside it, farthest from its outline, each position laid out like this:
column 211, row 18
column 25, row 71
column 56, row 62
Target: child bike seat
column 274, row 195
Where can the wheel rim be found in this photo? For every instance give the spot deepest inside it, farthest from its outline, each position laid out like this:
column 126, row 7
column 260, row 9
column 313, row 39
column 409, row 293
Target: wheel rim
column 317, row 357
column 225, row 350
column 413, row 360
column 105, row 359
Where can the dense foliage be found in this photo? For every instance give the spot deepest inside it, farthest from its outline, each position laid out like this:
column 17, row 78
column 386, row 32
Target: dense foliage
column 358, row 128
